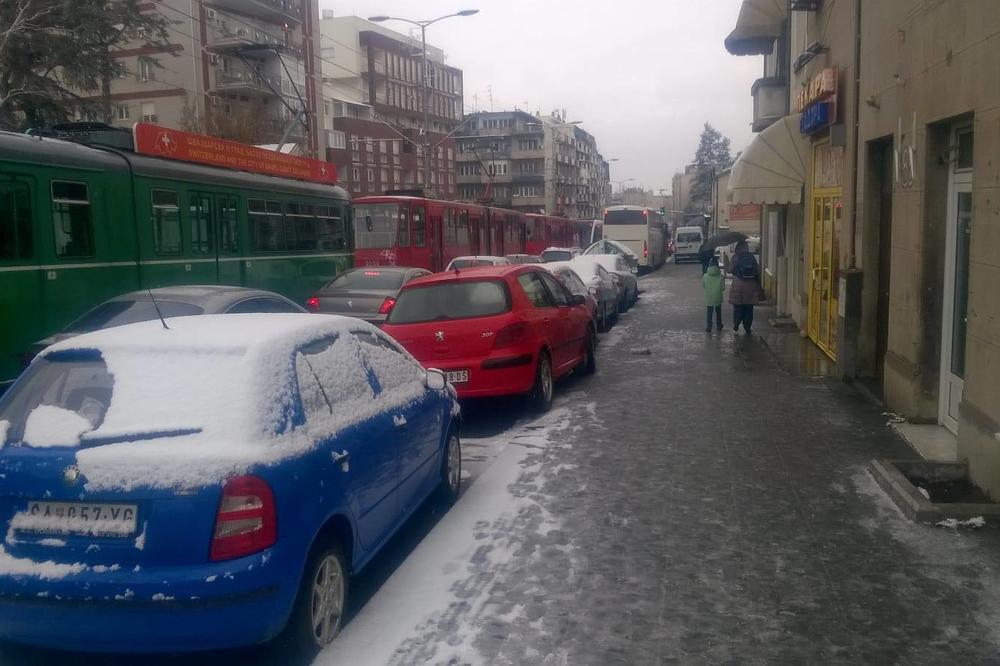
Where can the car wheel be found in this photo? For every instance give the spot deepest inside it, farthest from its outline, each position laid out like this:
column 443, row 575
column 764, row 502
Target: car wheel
column 319, row 607
column 590, row 360
column 541, row 393
column 451, row 470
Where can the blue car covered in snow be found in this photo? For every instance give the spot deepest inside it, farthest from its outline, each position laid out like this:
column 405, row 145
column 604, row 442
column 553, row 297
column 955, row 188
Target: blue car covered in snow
column 211, row 484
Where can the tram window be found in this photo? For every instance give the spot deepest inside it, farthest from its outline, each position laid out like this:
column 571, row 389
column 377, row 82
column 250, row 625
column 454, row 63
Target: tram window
column 229, row 239
column 201, row 225
column 15, row 221
column 300, row 227
column 418, row 229
column 71, row 219
column 166, row 222
column 266, row 225
column 330, row 229
column 463, row 227
column 403, row 230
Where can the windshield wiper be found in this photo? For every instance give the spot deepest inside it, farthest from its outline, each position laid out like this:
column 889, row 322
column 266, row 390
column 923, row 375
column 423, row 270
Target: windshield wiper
column 94, row 441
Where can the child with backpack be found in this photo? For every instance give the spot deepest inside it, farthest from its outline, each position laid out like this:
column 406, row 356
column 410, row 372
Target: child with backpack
column 715, row 283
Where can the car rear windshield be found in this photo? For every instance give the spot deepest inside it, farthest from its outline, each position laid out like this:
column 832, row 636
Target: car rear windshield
column 119, row 313
column 470, row 263
column 77, row 382
column 557, row 255
column 450, row 300
column 373, row 279
column 689, row 237
column 624, row 217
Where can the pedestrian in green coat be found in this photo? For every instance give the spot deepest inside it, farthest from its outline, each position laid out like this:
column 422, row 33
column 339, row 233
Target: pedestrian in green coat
column 715, row 284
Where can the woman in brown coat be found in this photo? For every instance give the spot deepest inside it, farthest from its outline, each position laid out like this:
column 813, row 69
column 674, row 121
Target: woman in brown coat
column 745, row 291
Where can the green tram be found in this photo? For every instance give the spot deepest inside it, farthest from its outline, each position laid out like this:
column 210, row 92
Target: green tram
column 80, row 224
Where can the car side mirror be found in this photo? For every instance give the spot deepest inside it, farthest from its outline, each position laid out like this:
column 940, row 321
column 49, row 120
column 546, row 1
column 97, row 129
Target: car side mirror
column 577, row 299
column 435, row 380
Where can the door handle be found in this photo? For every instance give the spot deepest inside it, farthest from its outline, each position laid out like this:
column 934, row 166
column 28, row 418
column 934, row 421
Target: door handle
column 343, row 458
column 399, row 420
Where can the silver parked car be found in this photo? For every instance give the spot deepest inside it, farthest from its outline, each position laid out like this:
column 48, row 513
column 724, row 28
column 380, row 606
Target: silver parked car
column 365, row 293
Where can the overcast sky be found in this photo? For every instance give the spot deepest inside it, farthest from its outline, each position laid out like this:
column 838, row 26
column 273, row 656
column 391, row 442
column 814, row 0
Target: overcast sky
column 642, row 75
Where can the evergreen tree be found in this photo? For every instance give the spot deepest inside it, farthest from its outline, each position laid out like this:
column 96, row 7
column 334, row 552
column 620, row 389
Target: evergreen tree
column 711, row 158
column 55, row 53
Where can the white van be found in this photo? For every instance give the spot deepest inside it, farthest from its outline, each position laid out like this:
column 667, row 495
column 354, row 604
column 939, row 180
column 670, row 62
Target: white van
column 687, row 242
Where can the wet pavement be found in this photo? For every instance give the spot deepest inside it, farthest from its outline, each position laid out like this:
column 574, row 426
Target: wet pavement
column 705, row 500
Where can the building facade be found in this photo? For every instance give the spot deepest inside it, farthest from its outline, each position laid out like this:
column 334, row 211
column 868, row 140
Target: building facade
column 890, row 245
column 246, row 70
column 531, row 163
column 373, row 103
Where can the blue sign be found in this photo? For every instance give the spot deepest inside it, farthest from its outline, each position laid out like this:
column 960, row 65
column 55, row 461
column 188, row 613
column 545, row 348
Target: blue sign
column 816, row 117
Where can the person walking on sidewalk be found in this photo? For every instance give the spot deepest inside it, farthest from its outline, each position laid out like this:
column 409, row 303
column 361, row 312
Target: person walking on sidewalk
column 715, row 284
column 745, row 291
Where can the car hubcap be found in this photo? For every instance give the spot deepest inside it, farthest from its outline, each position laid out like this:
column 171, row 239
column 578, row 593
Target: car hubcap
column 454, row 464
column 546, row 380
column 327, row 600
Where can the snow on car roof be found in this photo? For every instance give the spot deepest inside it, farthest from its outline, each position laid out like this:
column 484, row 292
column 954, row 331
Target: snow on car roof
column 222, row 384
column 590, row 261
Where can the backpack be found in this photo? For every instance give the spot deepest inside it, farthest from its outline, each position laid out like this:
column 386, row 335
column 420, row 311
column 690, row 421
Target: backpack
column 746, row 267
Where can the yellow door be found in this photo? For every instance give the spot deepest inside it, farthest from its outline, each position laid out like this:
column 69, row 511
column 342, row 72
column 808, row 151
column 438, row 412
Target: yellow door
column 823, row 274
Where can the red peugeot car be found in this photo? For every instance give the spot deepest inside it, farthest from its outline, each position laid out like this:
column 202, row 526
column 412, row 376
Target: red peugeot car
column 496, row 330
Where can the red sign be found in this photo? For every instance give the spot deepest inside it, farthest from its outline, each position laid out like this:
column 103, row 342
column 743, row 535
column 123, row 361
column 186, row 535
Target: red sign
column 187, row 147
column 744, row 211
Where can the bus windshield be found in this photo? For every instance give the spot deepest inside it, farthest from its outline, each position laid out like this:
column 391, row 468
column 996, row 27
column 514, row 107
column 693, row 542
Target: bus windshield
column 375, row 225
column 624, row 217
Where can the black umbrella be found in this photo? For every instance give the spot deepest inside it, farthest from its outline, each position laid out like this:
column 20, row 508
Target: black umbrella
column 724, row 238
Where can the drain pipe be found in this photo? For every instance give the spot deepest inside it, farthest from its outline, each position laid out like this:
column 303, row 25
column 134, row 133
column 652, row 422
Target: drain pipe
column 852, row 262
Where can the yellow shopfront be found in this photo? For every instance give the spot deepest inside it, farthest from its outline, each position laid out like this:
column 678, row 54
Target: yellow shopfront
column 825, row 214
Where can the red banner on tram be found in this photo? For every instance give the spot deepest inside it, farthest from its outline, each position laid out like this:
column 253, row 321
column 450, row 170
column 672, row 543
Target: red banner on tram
column 188, row 147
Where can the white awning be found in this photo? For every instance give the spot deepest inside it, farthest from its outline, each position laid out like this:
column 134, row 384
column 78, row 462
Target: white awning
column 758, row 25
column 773, row 167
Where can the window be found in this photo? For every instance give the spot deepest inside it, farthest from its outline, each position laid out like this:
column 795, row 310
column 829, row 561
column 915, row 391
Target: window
column 300, row 226
column 16, row 240
column 146, row 69
column 266, row 231
column 71, row 219
column 417, row 228
column 385, row 177
column 450, row 300
column 355, row 175
column 148, row 112
column 371, row 176
column 556, row 290
column 330, row 228
column 331, row 379
column 263, row 305
column 228, row 226
column 534, row 289
column 200, row 209
column 392, row 368
column 121, row 111
column 166, row 222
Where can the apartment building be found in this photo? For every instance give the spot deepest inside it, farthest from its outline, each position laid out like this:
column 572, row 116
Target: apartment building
column 373, row 104
column 886, row 237
column 532, row 163
column 246, row 70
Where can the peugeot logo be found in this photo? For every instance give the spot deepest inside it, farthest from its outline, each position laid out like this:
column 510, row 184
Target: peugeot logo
column 439, row 336
column 350, row 304
column 71, row 475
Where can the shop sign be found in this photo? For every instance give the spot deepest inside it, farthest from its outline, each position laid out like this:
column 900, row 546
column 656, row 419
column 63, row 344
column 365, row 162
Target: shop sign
column 817, row 102
column 187, row 147
column 828, row 166
column 744, row 212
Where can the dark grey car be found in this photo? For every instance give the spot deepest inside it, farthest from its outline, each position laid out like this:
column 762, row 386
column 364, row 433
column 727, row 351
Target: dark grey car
column 366, row 293
column 173, row 302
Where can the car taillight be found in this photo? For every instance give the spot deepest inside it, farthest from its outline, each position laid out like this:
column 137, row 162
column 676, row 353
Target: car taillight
column 511, row 334
column 645, row 250
column 312, row 304
column 246, row 521
column 387, row 305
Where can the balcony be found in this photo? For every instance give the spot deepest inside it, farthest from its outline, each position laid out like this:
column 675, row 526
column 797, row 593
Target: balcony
column 226, row 32
column 529, row 177
column 274, row 11
column 527, row 153
column 770, row 97
column 244, row 80
column 525, row 202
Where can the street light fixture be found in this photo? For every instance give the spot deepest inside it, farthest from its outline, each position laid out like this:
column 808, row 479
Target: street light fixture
column 426, row 84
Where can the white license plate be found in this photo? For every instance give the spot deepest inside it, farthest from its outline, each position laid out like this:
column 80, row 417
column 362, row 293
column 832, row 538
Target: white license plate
column 76, row 518
column 457, row 376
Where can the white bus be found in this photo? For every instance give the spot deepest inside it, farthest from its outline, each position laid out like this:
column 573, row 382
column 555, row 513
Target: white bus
column 641, row 229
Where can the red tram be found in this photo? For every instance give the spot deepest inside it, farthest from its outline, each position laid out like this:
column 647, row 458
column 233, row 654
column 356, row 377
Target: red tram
column 394, row 230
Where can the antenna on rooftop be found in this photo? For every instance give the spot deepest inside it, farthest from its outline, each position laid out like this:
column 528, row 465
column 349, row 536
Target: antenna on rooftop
column 162, row 320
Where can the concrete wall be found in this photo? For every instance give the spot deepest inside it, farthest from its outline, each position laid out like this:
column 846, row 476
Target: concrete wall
column 938, row 59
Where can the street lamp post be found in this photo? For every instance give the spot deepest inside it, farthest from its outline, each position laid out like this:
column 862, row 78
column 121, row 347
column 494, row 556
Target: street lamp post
column 426, row 83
